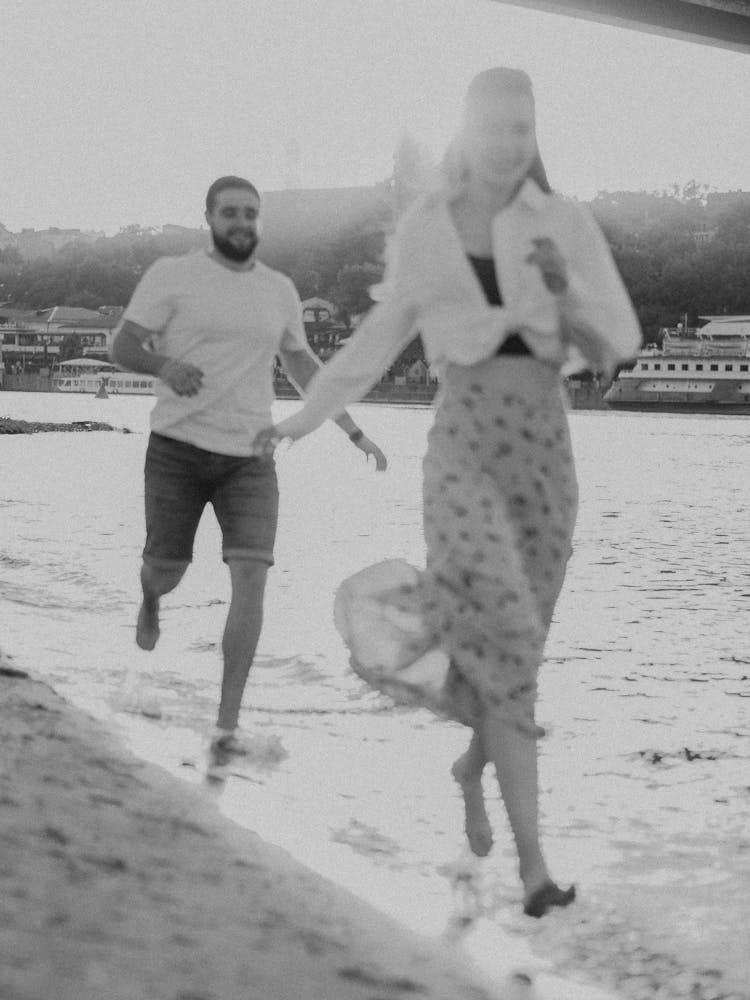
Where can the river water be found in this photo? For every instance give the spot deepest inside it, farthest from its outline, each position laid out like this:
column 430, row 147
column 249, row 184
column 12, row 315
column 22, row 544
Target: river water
column 645, row 694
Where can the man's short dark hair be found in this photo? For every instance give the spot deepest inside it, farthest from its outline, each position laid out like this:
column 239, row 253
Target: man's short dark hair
column 222, row 184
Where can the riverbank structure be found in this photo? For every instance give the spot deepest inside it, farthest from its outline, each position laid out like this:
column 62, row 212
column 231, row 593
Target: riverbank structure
column 34, row 339
column 694, row 370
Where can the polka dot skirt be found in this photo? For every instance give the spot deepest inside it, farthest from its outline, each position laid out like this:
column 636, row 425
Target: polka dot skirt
column 466, row 636
column 500, row 501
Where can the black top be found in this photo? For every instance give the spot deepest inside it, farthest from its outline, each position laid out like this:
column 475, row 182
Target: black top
column 484, row 268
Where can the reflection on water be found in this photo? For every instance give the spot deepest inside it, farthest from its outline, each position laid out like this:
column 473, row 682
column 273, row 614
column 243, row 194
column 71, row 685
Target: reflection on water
column 646, row 785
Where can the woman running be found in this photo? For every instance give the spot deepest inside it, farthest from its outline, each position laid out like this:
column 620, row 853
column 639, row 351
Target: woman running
column 510, row 286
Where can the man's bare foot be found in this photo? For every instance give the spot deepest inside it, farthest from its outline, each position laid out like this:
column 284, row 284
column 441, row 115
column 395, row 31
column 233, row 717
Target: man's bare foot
column 147, row 627
column 478, row 829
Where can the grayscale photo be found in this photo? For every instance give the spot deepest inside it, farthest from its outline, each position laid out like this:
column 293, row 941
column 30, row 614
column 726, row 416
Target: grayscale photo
column 375, row 500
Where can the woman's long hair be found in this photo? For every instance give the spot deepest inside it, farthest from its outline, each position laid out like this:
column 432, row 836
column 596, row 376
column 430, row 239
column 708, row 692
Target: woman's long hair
column 453, row 171
column 496, row 82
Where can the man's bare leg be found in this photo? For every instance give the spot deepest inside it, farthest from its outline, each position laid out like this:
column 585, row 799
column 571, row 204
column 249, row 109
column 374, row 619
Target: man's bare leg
column 467, row 771
column 241, row 635
column 155, row 582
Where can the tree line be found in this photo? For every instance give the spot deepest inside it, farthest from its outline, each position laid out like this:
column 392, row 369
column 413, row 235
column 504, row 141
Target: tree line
column 680, row 252
column 684, row 252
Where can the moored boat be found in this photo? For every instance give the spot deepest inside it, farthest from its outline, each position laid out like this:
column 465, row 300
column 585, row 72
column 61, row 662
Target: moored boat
column 704, row 369
column 100, row 377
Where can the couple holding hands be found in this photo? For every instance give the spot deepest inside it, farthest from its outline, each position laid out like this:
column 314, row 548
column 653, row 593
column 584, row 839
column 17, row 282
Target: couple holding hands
column 511, row 287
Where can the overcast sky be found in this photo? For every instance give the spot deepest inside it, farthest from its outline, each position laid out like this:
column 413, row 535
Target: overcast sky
column 122, row 111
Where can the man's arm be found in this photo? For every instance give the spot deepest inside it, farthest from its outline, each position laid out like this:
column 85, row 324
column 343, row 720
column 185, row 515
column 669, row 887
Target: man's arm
column 128, row 351
column 301, row 365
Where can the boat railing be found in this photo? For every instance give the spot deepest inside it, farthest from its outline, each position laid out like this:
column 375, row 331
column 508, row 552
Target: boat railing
column 706, row 349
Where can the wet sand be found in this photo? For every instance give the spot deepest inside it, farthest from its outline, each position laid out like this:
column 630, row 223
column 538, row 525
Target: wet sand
column 118, row 883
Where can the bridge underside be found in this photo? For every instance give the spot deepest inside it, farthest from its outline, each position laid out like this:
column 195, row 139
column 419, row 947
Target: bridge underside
column 724, row 23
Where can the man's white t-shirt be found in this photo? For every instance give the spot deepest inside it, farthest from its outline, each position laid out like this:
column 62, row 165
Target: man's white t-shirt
column 230, row 324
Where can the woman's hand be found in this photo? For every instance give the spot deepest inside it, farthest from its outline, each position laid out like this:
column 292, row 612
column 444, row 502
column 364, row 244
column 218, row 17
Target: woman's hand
column 595, row 349
column 551, row 263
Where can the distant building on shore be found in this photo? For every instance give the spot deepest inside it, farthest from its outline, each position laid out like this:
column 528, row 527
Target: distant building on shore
column 35, row 339
column 324, row 331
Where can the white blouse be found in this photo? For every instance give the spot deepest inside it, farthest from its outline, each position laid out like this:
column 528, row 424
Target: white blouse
column 430, row 288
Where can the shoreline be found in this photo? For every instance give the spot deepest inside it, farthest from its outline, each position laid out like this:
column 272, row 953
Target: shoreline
column 120, row 881
column 583, row 396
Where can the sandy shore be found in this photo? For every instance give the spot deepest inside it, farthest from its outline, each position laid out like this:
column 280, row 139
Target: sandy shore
column 118, row 882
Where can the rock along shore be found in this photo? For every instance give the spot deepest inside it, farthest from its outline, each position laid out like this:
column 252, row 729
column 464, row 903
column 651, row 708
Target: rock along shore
column 10, row 426
column 118, row 882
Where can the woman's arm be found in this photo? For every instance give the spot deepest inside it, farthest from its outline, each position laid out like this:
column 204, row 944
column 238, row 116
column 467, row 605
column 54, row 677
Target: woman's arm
column 360, row 363
column 595, row 313
column 302, row 365
column 380, row 338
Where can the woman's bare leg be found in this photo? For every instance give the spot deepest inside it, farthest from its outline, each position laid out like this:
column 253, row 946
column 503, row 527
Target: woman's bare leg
column 514, row 755
column 467, row 771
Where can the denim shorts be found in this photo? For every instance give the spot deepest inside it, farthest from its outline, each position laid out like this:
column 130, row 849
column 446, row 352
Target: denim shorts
column 181, row 479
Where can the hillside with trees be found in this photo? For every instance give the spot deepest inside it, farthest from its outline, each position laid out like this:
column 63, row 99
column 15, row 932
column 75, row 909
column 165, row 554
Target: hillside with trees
column 683, row 251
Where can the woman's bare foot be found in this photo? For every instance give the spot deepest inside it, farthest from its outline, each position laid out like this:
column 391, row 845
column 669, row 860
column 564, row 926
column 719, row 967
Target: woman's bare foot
column 478, row 829
column 147, row 627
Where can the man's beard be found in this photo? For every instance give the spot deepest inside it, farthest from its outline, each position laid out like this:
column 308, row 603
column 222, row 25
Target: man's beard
column 238, row 254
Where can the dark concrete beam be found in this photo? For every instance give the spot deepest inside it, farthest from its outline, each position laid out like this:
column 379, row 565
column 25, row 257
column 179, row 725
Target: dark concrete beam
column 724, row 23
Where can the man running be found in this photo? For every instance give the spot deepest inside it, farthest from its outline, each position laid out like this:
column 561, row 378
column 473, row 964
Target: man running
column 209, row 326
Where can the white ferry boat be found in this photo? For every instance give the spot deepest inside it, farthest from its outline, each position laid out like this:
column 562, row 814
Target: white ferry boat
column 100, row 377
column 705, row 369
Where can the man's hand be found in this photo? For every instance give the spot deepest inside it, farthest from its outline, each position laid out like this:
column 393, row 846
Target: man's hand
column 266, row 442
column 291, row 429
column 370, row 448
column 182, row 378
